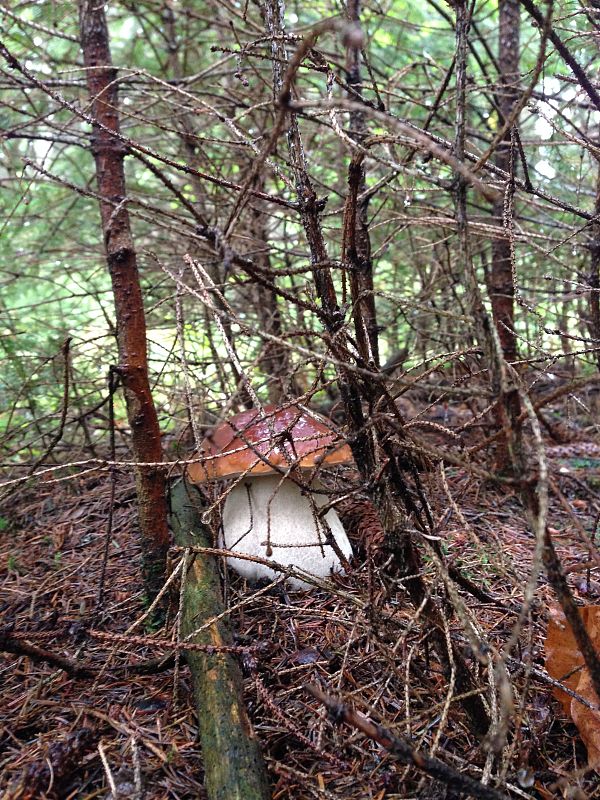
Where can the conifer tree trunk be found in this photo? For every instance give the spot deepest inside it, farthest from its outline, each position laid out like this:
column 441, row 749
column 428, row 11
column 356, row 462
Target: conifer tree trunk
column 594, row 279
column 109, row 155
column 501, row 284
column 357, row 239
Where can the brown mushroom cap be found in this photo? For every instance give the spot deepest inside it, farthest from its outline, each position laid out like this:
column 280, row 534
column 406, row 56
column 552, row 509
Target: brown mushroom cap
column 261, row 445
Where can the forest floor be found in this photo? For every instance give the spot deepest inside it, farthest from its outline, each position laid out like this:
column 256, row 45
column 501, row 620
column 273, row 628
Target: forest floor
column 127, row 727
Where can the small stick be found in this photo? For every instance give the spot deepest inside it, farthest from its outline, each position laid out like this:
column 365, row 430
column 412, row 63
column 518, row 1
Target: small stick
column 404, row 750
column 107, row 770
column 10, row 644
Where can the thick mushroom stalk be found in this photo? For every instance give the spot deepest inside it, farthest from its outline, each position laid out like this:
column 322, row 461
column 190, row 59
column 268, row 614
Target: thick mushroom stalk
column 267, row 517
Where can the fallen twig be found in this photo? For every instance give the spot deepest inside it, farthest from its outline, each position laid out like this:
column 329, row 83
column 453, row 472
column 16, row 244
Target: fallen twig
column 404, row 750
column 21, row 647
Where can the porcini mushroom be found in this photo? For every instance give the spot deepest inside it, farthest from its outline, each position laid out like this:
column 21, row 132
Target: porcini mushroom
column 273, row 508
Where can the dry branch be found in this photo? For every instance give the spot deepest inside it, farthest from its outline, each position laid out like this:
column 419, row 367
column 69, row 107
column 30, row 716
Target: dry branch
column 232, row 760
column 11, row 644
column 404, row 750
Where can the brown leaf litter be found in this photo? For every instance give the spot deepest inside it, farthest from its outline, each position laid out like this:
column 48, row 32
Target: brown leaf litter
column 64, row 736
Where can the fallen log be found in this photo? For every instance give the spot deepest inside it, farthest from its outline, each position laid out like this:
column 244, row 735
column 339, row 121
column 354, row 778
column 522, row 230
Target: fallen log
column 233, row 764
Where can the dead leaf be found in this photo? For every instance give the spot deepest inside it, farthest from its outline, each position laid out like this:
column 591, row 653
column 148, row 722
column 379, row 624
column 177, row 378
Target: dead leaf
column 587, row 719
column 563, row 658
column 565, row 663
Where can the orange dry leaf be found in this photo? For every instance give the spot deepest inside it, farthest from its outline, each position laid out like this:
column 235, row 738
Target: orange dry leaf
column 587, row 719
column 564, row 663
column 563, row 658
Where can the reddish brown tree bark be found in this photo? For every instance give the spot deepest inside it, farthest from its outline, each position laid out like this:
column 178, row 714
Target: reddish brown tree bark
column 109, row 154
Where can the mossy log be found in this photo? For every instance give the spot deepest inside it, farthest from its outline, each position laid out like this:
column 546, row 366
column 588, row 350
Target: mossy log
column 233, row 765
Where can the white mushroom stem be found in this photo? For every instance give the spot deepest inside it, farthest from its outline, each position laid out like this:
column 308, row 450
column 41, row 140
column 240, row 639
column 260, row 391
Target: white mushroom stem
column 270, row 518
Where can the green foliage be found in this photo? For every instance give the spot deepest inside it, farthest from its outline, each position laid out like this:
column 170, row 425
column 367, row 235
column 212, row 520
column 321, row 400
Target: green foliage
column 12, row 563
column 196, row 91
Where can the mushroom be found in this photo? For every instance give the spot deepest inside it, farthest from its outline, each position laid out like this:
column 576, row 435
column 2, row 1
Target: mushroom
column 273, row 508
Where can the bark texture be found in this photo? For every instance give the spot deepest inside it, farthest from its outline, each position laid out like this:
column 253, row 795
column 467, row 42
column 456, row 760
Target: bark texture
column 233, row 764
column 109, row 154
column 501, row 283
column 594, row 279
column 357, row 240
column 274, row 360
column 502, row 290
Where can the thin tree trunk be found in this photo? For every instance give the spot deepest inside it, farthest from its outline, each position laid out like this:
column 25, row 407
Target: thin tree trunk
column 310, row 213
column 109, row 155
column 594, row 281
column 233, row 764
column 357, row 241
column 391, row 491
column 274, row 360
column 502, row 288
column 501, row 284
